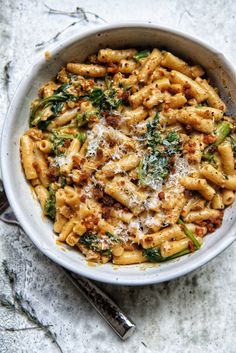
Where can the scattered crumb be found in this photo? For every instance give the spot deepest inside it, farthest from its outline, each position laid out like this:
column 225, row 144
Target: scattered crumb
column 47, row 55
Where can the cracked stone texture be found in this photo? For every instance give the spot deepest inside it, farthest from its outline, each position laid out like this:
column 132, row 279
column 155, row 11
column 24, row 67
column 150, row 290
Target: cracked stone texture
column 195, row 313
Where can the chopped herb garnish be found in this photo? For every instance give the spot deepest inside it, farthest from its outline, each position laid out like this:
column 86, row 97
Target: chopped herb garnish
column 83, row 119
column 90, row 240
column 153, row 168
column 82, row 137
column 141, row 55
column 58, row 141
column 172, row 143
column 112, row 237
column 153, row 136
column 50, row 205
column 63, row 181
column 104, row 100
column 155, row 165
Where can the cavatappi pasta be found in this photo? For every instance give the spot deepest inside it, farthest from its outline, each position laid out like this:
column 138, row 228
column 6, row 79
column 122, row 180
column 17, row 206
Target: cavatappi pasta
column 132, row 155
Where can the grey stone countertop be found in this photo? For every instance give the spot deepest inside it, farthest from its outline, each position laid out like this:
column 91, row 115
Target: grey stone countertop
column 195, row 313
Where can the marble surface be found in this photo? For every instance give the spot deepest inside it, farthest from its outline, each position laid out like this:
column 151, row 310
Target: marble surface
column 196, row 313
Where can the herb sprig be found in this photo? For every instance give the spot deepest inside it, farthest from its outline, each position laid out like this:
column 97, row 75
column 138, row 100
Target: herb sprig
column 104, row 100
column 154, row 255
column 156, row 163
column 79, row 13
column 92, row 242
column 50, row 206
column 56, row 102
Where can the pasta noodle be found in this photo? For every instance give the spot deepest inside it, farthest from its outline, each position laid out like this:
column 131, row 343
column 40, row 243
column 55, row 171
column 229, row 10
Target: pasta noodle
column 131, row 155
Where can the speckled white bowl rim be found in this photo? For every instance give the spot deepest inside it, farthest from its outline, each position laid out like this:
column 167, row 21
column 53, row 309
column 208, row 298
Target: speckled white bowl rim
column 118, row 276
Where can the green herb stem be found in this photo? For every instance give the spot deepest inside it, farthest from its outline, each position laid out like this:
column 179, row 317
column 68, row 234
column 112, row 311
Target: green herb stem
column 222, row 131
column 154, row 255
column 190, row 234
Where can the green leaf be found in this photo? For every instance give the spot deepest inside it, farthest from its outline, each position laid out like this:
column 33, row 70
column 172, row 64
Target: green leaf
column 82, row 137
column 57, row 108
column 190, row 234
column 152, row 136
column 141, row 55
column 58, row 140
column 82, row 119
column 155, row 165
column 222, row 131
column 141, row 175
column 154, row 168
column 154, row 255
column 90, row 240
column 43, row 124
column 233, row 144
column 172, row 143
column 112, row 237
column 63, row 181
column 50, row 205
column 104, row 100
column 42, row 103
column 63, row 89
column 55, row 101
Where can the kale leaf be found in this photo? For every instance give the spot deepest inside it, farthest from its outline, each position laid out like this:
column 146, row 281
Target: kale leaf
column 90, row 240
column 57, row 108
column 82, row 119
column 104, row 100
column 141, row 55
column 82, row 137
column 50, row 205
column 56, row 102
column 154, row 255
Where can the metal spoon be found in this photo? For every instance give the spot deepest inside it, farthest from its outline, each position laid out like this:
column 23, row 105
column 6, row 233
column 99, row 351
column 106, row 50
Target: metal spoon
column 104, row 305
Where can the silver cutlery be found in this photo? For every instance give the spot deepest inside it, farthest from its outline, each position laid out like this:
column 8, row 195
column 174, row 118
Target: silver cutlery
column 105, row 306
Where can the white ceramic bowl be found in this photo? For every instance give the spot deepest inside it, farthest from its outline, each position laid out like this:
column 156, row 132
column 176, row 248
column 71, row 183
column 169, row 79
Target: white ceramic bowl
column 18, row 191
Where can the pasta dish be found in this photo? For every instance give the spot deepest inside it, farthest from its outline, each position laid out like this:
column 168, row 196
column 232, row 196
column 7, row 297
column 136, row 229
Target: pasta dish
column 132, row 156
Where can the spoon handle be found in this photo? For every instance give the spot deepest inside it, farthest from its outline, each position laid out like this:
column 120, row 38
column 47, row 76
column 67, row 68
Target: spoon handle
column 104, row 305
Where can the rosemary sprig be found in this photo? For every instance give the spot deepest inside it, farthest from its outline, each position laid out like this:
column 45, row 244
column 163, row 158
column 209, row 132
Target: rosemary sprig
column 23, row 307
column 55, row 37
column 6, row 70
column 15, row 329
column 80, row 13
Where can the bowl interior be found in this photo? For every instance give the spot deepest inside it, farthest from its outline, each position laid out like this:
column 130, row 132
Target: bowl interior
column 20, row 195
